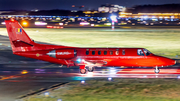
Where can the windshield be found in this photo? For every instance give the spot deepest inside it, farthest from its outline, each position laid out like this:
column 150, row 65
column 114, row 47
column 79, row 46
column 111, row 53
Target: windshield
column 146, row 52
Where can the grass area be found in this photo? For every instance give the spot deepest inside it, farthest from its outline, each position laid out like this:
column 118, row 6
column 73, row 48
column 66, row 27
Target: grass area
column 165, row 42
column 117, row 90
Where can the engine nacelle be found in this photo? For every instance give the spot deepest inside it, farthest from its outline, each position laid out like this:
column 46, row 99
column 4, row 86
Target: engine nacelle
column 63, row 54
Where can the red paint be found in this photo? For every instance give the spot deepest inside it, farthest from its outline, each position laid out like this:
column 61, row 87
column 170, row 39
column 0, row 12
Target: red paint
column 22, row 45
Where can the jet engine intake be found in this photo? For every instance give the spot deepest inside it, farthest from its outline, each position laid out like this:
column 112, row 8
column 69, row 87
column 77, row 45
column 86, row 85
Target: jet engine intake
column 63, row 54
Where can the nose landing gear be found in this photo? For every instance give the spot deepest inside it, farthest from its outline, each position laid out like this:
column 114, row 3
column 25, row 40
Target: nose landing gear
column 156, row 70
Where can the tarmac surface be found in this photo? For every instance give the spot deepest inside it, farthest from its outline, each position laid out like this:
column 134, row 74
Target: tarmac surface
column 17, row 73
column 20, row 75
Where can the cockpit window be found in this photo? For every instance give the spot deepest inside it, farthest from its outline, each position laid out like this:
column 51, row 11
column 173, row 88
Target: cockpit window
column 146, row 52
column 140, row 52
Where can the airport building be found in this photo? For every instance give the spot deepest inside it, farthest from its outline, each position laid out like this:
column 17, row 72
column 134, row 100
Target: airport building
column 150, row 15
column 109, row 8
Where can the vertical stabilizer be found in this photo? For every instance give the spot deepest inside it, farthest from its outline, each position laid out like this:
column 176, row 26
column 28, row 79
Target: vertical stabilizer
column 17, row 36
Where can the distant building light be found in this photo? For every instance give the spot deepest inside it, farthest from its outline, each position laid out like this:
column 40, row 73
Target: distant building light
column 109, row 24
column 145, row 17
column 3, row 23
column 92, row 24
column 60, row 23
column 74, row 11
column 153, row 17
column 40, row 23
column 84, row 23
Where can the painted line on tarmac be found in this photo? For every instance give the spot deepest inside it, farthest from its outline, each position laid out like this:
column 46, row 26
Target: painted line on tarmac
column 20, row 75
column 5, row 45
column 47, row 66
column 43, row 90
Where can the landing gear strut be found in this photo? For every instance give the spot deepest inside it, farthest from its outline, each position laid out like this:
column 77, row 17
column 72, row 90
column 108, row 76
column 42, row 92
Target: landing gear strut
column 90, row 69
column 156, row 70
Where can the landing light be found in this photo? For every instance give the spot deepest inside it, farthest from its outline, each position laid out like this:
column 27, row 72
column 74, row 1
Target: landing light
column 79, row 60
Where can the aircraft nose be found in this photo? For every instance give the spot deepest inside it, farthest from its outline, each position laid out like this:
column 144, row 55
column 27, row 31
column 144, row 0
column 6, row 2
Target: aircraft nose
column 174, row 62
column 169, row 62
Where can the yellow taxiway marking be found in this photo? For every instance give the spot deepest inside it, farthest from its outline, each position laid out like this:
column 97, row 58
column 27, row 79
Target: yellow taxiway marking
column 125, row 27
column 23, row 72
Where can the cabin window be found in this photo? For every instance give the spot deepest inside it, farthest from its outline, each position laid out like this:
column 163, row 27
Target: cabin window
column 146, row 52
column 105, row 52
column 99, row 52
column 117, row 52
column 140, row 52
column 93, row 52
column 123, row 52
column 111, row 53
column 87, row 52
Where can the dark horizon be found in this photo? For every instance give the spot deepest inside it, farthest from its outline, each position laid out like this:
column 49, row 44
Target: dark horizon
column 67, row 4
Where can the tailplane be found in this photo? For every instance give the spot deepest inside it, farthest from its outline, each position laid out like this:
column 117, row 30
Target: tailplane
column 17, row 36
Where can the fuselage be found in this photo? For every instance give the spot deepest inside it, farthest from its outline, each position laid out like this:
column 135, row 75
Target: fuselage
column 71, row 56
column 123, row 57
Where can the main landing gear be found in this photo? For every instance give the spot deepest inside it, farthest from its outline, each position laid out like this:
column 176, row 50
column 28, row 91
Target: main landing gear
column 156, row 70
column 84, row 69
column 90, row 69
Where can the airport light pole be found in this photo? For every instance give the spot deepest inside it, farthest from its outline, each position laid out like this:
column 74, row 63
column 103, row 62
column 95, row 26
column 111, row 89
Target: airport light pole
column 113, row 18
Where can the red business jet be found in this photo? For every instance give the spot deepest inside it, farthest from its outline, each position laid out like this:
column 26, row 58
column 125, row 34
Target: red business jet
column 85, row 58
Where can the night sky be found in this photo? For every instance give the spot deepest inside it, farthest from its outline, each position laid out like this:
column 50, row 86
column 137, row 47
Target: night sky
column 67, row 4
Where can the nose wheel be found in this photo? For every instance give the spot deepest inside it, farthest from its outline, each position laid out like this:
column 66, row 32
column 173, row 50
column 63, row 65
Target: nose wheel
column 156, row 70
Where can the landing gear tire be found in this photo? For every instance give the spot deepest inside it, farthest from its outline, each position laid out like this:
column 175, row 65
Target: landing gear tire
column 156, row 70
column 90, row 69
column 83, row 71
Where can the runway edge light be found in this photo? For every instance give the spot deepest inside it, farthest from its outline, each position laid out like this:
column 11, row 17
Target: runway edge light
column 82, row 82
column 109, row 79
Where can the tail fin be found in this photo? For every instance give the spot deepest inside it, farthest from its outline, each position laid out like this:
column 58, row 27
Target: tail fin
column 17, row 36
